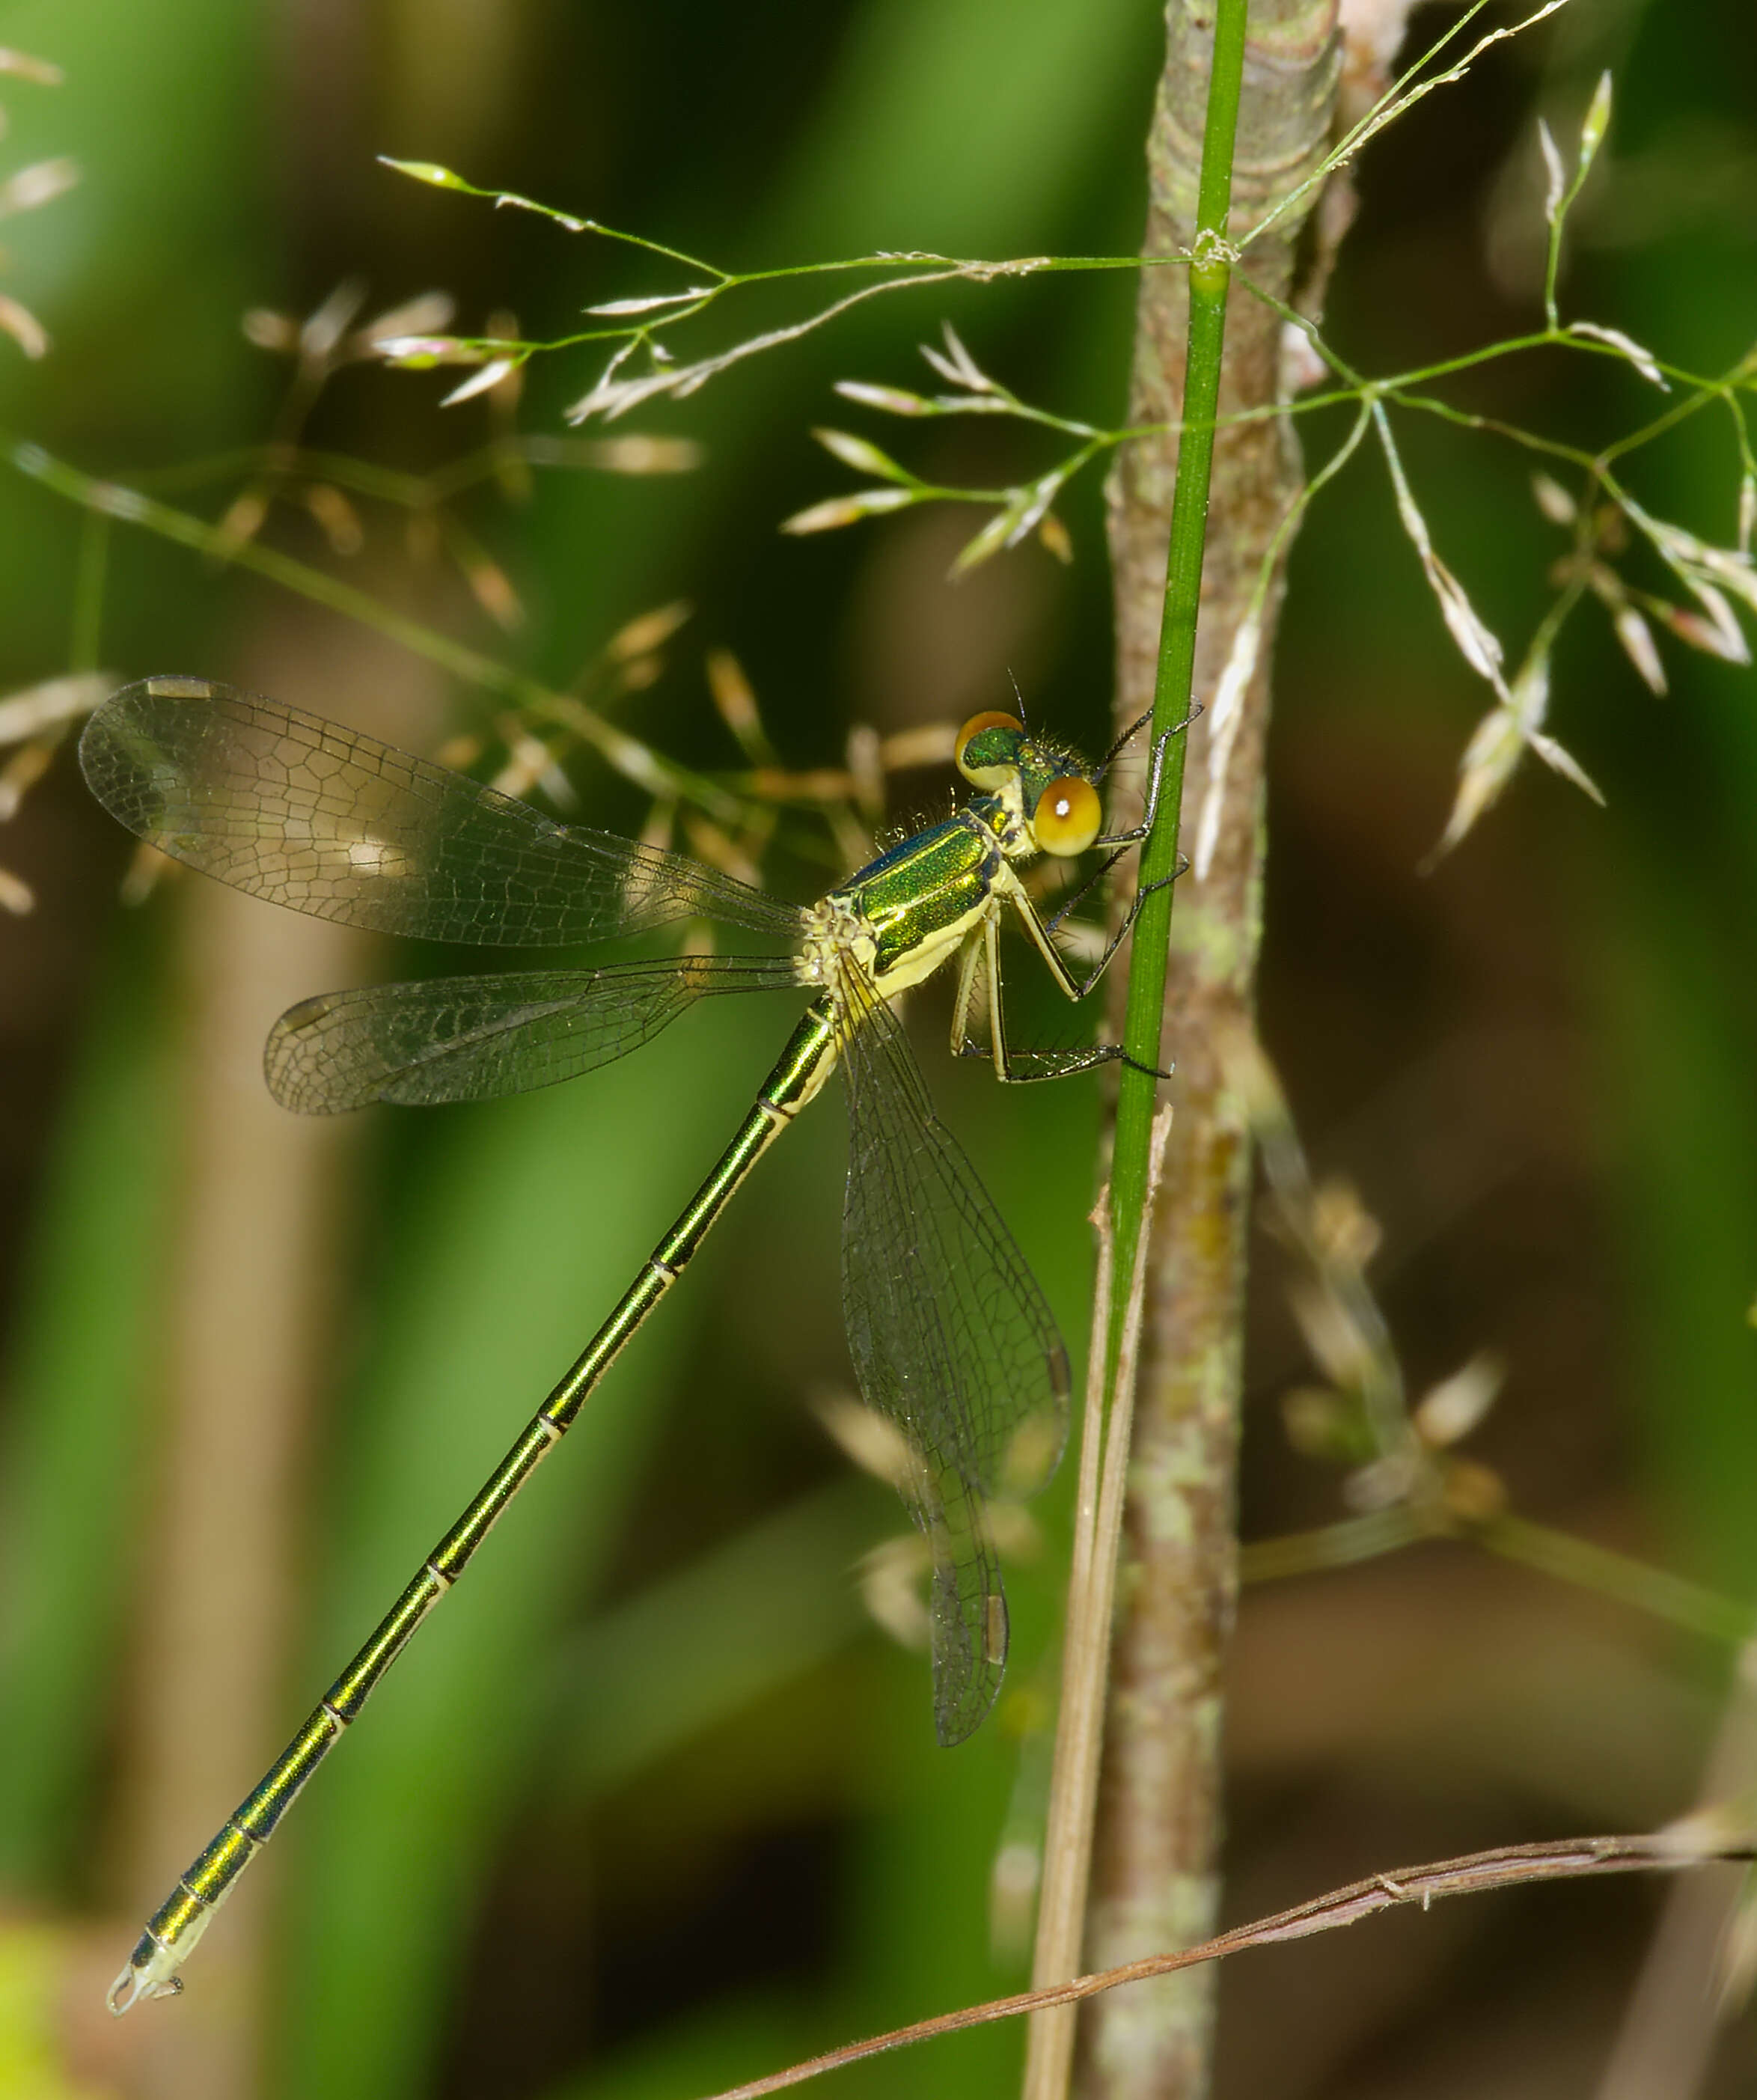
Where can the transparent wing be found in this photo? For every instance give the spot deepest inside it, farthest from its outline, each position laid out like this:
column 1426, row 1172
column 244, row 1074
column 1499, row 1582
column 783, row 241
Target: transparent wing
column 952, row 1341
column 288, row 807
column 477, row 1038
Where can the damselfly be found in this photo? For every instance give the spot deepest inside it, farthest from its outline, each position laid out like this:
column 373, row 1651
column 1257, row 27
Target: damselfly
column 952, row 1340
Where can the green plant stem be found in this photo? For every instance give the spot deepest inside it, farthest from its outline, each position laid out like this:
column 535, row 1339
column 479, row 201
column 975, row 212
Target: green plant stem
column 1577, row 1562
column 1615, row 1575
column 89, row 580
column 1209, row 278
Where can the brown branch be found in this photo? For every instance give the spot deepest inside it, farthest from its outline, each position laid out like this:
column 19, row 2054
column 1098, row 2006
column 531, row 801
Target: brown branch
column 1506, row 1866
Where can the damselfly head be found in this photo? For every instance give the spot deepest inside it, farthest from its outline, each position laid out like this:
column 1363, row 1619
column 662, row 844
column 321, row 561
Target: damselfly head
column 1050, row 789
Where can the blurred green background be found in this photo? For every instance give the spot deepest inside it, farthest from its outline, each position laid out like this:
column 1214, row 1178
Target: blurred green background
column 652, row 1806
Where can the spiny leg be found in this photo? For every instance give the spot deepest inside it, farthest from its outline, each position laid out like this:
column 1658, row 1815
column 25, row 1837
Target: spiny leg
column 1161, row 746
column 1125, row 928
column 1008, row 1064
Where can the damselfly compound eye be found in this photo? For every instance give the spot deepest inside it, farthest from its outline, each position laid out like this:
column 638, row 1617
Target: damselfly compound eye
column 987, row 751
column 1068, row 816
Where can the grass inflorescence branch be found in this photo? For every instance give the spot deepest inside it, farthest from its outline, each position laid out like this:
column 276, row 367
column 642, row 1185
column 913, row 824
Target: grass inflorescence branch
column 1700, row 1841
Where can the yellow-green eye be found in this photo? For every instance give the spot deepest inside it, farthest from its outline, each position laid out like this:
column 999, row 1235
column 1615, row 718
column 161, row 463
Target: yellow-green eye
column 996, row 758
column 1068, row 816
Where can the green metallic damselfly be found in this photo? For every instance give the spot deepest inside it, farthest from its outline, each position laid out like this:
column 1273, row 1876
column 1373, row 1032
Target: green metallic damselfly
column 952, row 1340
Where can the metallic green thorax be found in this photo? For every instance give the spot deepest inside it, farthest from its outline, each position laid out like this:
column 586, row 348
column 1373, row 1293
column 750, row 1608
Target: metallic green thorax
column 908, row 909
column 916, row 902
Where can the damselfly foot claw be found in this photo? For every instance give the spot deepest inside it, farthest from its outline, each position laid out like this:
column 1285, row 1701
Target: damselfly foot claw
column 1151, row 1071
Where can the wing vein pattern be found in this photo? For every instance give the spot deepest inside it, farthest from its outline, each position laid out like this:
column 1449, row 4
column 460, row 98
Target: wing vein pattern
column 287, row 806
column 952, row 1340
column 477, row 1038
